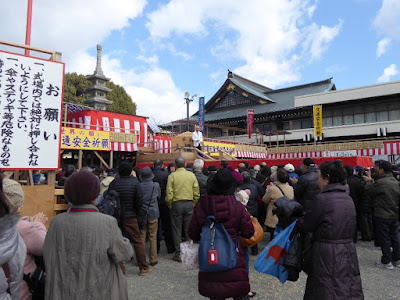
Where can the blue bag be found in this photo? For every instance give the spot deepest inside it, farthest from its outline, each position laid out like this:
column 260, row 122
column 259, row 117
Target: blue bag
column 271, row 258
column 217, row 251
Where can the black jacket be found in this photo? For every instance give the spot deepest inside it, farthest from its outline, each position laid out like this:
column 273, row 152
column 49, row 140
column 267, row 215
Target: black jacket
column 307, row 188
column 130, row 195
column 252, row 205
column 161, row 177
column 356, row 185
column 260, row 189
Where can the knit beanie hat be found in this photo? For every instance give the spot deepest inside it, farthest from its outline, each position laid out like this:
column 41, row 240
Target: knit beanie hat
column 82, row 187
column 244, row 196
column 14, row 193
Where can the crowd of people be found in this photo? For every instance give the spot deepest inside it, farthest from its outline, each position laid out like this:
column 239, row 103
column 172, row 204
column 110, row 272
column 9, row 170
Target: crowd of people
column 84, row 251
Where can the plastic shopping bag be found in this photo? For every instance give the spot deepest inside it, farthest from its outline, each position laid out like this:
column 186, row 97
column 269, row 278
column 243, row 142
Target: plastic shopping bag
column 190, row 255
column 271, row 258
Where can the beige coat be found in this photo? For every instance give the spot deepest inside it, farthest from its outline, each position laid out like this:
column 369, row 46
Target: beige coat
column 271, row 195
column 82, row 252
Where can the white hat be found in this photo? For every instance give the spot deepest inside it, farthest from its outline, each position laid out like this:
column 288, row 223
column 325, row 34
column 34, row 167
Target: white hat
column 289, row 168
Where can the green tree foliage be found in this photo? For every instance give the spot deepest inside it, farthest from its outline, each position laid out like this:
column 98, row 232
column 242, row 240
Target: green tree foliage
column 122, row 102
column 74, row 92
column 74, row 88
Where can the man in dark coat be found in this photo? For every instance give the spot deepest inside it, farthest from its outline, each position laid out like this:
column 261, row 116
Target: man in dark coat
column 356, row 186
column 252, row 205
column 161, row 177
column 385, row 194
column 201, row 178
column 306, row 188
column 131, row 199
column 221, row 203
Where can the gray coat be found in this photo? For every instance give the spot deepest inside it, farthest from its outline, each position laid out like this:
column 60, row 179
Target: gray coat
column 82, row 252
column 151, row 193
column 12, row 253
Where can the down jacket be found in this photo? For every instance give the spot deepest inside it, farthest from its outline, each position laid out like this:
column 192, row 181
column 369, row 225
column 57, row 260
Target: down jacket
column 130, row 195
column 307, row 188
column 230, row 212
column 12, row 253
column 334, row 272
column 385, row 194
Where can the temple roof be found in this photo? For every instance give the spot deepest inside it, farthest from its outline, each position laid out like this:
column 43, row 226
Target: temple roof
column 265, row 100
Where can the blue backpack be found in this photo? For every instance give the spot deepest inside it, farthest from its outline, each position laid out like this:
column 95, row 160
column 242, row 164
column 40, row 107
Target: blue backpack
column 111, row 205
column 217, row 252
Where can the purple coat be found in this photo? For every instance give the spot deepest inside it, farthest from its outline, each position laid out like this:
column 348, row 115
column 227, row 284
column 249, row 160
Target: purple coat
column 335, row 274
column 230, row 212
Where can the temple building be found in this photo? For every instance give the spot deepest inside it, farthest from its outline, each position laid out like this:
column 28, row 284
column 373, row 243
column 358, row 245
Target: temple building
column 361, row 120
column 98, row 89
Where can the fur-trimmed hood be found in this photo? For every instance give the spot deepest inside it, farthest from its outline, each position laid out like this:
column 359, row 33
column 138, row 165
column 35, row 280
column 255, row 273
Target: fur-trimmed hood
column 8, row 237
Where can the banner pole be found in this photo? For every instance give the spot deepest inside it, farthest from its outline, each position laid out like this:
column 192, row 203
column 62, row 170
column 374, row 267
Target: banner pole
column 28, row 27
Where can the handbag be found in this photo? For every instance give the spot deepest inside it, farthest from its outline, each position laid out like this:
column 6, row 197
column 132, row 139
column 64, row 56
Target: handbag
column 257, row 236
column 270, row 261
column 143, row 215
column 190, row 255
column 217, row 252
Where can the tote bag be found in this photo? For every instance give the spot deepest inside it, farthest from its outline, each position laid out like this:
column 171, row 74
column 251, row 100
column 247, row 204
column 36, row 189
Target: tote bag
column 270, row 260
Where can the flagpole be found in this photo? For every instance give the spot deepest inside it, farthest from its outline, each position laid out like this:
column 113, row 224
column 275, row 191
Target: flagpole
column 28, row 27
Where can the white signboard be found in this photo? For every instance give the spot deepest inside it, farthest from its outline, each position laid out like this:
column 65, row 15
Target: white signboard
column 339, row 153
column 31, row 92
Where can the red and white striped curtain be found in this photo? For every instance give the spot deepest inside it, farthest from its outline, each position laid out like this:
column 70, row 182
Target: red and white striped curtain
column 108, row 121
column 161, row 142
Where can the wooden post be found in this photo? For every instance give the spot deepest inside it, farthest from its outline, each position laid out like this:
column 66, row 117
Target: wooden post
column 284, row 140
column 31, row 178
column 65, row 114
column 51, row 177
column 101, row 159
column 111, row 159
column 80, row 154
column 277, row 140
column 270, row 141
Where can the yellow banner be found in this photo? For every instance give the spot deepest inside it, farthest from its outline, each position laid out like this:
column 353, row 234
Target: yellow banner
column 318, row 120
column 83, row 139
column 212, row 148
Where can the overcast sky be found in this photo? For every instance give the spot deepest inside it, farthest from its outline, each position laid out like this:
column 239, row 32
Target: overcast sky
column 158, row 50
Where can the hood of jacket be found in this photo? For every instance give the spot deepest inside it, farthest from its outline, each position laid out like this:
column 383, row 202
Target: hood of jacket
column 217, row 206
column 8, row 237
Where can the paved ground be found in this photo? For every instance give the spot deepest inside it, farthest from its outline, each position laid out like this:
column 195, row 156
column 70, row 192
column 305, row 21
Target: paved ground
column 169, row 280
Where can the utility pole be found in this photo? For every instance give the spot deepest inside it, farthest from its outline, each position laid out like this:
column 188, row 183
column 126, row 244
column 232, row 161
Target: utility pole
column 188, row 100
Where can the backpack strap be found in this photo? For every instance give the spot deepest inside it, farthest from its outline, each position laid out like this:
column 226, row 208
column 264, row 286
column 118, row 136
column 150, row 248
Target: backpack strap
column 280, row 190
column 8, row 276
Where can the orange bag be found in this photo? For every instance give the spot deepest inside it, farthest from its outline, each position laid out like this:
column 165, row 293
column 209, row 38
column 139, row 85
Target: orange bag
column 258, row 234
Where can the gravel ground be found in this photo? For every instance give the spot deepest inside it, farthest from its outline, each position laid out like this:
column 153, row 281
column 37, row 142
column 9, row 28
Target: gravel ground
column 169, row 280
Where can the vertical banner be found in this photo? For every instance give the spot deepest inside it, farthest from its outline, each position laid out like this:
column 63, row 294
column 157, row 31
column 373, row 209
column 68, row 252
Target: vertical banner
column 318, row 120
column 250, row 119
column 201, row 114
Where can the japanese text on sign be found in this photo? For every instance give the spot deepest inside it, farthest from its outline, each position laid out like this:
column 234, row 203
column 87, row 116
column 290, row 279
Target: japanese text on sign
column 30, row 112
column 318, row 120
column 201, row 114
column 250, row 119
column 212, row 148
column 83, row 139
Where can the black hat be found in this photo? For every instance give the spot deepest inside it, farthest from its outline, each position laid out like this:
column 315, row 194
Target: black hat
column 82, row 187
column 111, row 172
column 308, row 162
column 146, row 174
column 222, row 183
column 125, row 169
